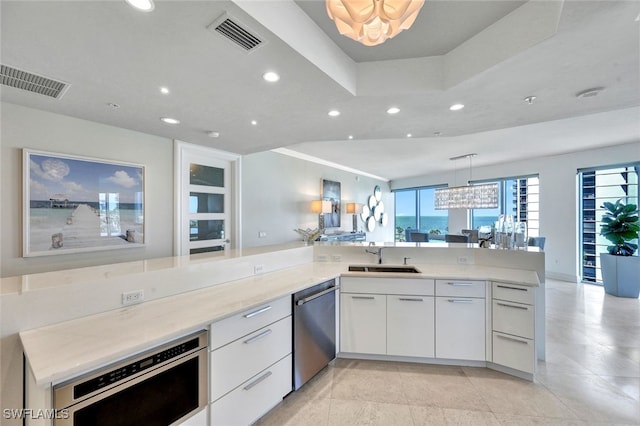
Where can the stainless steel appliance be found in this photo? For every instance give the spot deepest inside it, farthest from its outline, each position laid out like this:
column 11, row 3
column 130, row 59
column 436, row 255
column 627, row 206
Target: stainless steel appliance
column 163, row 386
column 314, row 331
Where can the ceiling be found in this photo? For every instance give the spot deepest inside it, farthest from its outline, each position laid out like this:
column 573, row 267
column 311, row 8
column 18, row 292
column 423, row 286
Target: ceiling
column 488, row 55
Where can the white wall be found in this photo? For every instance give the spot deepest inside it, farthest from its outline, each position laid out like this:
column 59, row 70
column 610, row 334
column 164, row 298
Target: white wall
column 277, row 191
column 29, row 128
column 558, row 197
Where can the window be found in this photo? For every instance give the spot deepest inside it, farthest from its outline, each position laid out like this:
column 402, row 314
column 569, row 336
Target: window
column 518, row 196
column 415, row 209
column 596, row 187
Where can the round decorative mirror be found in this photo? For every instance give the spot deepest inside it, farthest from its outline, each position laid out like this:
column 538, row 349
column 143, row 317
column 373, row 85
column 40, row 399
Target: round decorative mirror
column 377, row 192
column 371, row 224
column 372, row 201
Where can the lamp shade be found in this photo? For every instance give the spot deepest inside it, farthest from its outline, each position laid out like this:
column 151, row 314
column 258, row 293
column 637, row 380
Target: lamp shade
column 321, row 206
column 371, row 22
column 354, row 208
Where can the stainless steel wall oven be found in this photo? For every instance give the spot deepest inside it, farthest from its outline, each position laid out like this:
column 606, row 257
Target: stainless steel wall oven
column 160, row 387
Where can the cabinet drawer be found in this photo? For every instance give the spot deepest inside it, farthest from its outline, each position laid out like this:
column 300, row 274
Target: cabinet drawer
column 514, row 352
column 464, row 288
column 243, row 358
column 232, row 328
column 513, row 293
column 378, row 285
column 513, row 318
column 255, row 397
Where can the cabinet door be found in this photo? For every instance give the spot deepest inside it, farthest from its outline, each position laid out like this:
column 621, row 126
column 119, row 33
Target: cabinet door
column 460, row 328
column 363, row 323
column 410, row 326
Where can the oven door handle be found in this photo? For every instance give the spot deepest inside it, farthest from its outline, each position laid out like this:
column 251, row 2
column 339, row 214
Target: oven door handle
column 315, row 296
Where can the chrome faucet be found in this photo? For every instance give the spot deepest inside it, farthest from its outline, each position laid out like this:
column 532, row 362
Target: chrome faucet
column 378, row 253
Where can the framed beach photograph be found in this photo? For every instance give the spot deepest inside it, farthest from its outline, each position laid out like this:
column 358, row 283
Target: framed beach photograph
column 77, row 204
column 330, row 191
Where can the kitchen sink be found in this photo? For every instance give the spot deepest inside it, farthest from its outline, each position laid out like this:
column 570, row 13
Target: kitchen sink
column 405, row 269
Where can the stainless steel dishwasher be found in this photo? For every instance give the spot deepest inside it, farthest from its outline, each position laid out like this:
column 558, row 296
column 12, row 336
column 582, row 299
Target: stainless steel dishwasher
column 314, row 330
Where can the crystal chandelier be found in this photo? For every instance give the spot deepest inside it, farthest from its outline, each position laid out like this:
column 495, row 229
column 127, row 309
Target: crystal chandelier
column 371, row 22
column 484, row 196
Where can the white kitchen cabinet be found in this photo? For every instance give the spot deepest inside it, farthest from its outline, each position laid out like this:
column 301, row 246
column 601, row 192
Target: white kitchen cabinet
column 363, row 323
column 513, row 326
column 460, row 328
column 410, row 326
column 460, row 331
column 253, row 398
column 250, row 363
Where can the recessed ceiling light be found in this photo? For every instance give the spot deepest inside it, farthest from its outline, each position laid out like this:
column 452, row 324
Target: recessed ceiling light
column 334, row 113
column 143, row 5
column 456, row 107
column 271, row 77
column 350, row 136
column 213, row 134
column 393, row 110
column 164, row 90
column 169, row 120
column 589, row 93
column 254, row 123
column 113, row 105
column 530, row 99
column 437, row 133
column 409, row 135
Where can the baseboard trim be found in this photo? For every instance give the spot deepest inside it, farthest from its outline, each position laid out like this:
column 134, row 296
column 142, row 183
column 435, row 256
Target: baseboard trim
column 562, row 277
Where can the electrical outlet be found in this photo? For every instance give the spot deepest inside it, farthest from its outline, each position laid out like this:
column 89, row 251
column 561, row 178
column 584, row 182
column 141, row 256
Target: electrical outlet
column 336, row 258
column 262, row 234
column 463, row 260
column 258, row 269
column 133, row 297
column 322, row 258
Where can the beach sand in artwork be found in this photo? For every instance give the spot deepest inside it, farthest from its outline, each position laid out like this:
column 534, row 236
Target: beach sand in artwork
column 82, row 227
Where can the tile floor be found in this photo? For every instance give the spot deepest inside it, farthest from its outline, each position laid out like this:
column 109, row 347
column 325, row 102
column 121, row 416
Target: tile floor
column 591, row 376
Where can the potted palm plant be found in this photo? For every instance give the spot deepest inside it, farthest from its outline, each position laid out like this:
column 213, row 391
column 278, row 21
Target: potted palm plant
column 620, row 268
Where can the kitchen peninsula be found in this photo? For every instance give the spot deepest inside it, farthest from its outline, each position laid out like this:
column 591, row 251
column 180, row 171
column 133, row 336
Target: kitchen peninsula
column 187, row 294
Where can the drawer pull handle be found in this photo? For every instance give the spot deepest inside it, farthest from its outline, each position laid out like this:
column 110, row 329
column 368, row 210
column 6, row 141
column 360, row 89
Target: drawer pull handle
column 363, row 297
column 512, row 288
column 507, row 305
column 258, row 380
column 526, row 342
column 411, row 299
column 460, row 284
column 460, row 300
column 258, row 312
column 258, row 336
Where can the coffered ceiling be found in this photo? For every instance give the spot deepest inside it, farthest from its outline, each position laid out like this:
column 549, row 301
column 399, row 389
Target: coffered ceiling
column 487, row 55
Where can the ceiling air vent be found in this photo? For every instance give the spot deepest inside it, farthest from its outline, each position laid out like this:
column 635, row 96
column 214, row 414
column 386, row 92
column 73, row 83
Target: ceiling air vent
column 231, row 29
column 30, row 82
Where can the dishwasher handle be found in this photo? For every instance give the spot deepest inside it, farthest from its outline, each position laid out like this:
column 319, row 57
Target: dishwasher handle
column 315, row 296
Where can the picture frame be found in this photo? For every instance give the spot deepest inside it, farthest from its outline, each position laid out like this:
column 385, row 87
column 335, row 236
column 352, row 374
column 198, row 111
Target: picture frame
column 74, row 204
column 330, row 191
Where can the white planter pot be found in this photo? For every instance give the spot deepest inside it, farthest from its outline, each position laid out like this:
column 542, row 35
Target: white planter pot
column 620, row 275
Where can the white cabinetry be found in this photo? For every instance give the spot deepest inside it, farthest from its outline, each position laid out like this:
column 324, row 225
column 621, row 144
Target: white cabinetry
column 410, row 322
column 513, row 329
column 250, row 363
column 460, row 320
column 363, row 319
column 387, row 316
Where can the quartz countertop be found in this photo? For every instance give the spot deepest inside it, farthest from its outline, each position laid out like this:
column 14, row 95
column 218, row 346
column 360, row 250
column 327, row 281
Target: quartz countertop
column 61, row 351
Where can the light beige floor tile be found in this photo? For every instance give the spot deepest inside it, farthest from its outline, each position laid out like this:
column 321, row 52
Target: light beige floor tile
column 592, row 398
column 629, row 385
column 297, row 411
column 515, row 420
column 470, row 418
column 319, row 387
column 440, row 386
column 350, row 412
column 428, row 416
column 368, row 381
